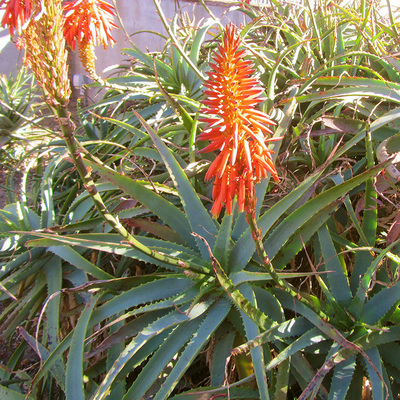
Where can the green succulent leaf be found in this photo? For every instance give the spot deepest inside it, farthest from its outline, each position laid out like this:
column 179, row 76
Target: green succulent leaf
column 147, row 293
column 337, row 276
column 68, row 254
column 244, row 247
column 200, row 220
column 257, row 355
column 58, row 370
column 379, row 305
column 214, row 317
column 168, row 213
column 9, row 394
column 73, row 380
column 342, row 376
column 164, row 354
column 283, row 232
column 111, row 243
column 170, row 320
column 234, row 393
column 379, row 387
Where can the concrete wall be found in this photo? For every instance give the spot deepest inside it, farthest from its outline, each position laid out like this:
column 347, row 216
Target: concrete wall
column 141, row 15
column 137, row 15
column 9, row 55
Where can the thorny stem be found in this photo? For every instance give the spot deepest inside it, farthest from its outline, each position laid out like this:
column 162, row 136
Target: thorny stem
column 266, row 262
column 108, row 85
column 74, row 148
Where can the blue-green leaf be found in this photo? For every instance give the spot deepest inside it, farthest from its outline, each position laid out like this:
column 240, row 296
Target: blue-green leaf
column 171, row 346
column 224, row 336
column 73, row 381
column 223, row 241
column 244, row 247
column 199, row 218
column 170, row 320
column 257, row 355
column 146, row 293
column 74, row 258
column 301, row 215
column 111, row 243
column 378, row 388
column 337, row 276
column 166, row 211
column 47, row 203
column 311, row 337
column 9, row 394
column 213, row 319
column 53, row 271
column 376, row 308
column 342, row 376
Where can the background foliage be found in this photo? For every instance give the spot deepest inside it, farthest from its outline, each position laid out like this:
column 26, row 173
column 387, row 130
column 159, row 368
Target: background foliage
column 192, row 313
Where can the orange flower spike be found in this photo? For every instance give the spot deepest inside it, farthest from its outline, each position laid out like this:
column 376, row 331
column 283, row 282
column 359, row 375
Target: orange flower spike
column 16, row 14
column 88, row 21
column 235, row 127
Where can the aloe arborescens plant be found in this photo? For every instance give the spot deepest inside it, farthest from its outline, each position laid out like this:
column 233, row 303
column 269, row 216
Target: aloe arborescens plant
column 203, row 296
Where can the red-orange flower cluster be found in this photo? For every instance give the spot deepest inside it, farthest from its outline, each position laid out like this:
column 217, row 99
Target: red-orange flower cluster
column 235, row 127
column 88, row 21
column 16, row 14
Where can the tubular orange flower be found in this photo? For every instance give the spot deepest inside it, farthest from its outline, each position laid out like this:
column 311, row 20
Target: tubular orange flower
column 235, row 127
column 88, row 21
column 20, row 43
column 17, row 13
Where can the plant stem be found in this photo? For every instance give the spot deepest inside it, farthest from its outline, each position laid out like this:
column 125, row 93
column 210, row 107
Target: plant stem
column 266, row 262
column 74, row 148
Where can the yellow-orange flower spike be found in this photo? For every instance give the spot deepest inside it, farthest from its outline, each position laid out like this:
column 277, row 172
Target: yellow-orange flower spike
column 235, row 127
column 45, row 51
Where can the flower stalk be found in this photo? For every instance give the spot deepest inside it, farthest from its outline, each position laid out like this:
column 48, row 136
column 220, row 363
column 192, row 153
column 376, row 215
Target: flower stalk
column 237, row 129
column 74, row 148
column 47, row 56
column 267, row 264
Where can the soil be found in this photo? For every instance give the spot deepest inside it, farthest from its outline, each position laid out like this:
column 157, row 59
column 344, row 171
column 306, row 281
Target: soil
column 3, row 186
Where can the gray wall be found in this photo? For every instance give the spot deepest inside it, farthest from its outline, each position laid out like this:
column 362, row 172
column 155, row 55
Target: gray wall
column 9, row 55
column 139, row 15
